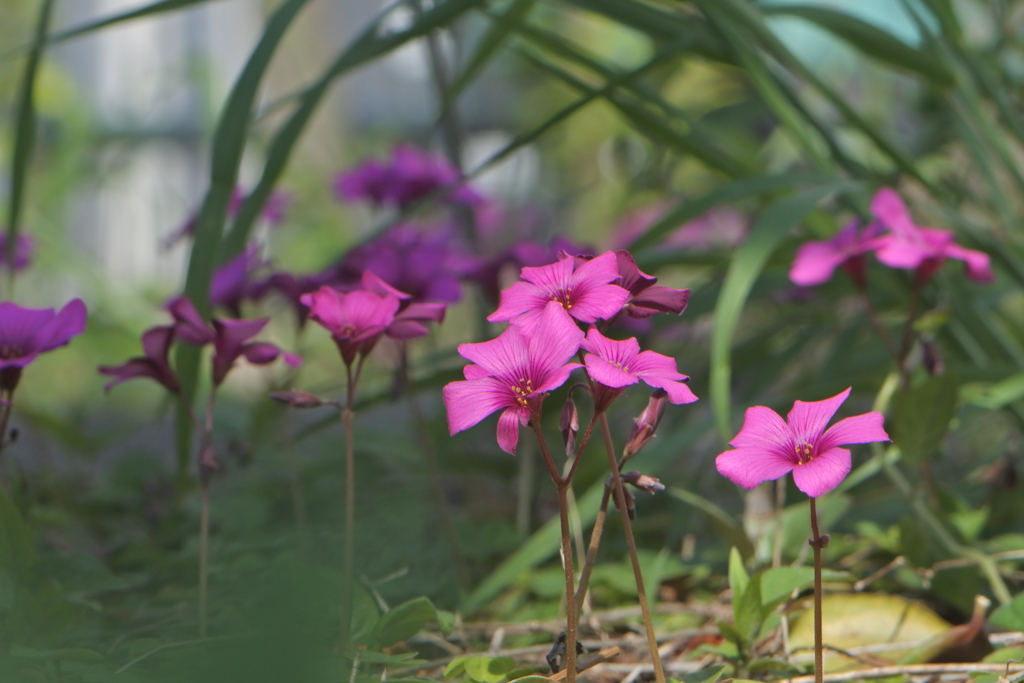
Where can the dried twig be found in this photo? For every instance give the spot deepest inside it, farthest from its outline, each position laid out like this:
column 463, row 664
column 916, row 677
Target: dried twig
column 590, row 662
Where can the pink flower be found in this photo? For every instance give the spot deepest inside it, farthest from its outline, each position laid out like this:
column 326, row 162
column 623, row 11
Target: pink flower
column 924, row 249
column 767, row 448
column 155, row 364
column 617, row 364
column 584, row 292
column 513, row 372
column 356, row 320
column 816, row 261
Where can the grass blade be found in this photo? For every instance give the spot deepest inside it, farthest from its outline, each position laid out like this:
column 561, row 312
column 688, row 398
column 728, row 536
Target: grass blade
column 368, row 46
column 148, row 10
column 25, row 131
column 743, row 271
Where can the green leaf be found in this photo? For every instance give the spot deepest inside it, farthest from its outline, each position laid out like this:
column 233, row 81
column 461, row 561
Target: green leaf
column 870, row 40
column 455, row 667
column 738, row 577
column 404, row 621
column 994, row 396
column 731, row 634
column 778, row 583
column 501, row 28
column 24, row 133
column 730, row 530
column 748, row 612
column 489, row 669
column 148, row 10
column 228, row 145
column 707, row 675
column 921, row 416
column 743, row 271
column 404, row 659
column 17, row 554
column 1010, row 616
column 445, row 621
column 531, row 679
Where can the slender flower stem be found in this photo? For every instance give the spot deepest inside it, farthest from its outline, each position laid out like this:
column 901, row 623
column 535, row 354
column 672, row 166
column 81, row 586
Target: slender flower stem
column 908, row 337
column 816, row 545
column 620, row 498
column 595, row 541
column 350, row 503
column 876, row 323
column 207, row 464
column 570, row 591
column 579, row 450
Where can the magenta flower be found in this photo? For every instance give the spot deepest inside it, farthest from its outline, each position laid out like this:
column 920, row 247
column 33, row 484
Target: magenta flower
column 410, row 175
column 27, row 332
column 23, row 250
column 584, row 292
column 155, row 364
column 816, row 261
column 412, row 317
column 921, row 249
column 230, row 339
column 356, row 320
column 767, row 448
column 513, row 372
column 617, row 364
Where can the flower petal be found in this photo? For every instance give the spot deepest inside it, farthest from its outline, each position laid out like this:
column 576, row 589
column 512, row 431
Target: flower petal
column 505, row 354
column 591, row 303
column 520, row 298
column 649, row 365
column 608, row 374
column 763, row 426
column 807, row 420
column 555, row 340
column 469, row 402
column 866, row 428
column 508, row 428
column 748, row 467
column 678, row 391
column 59, row 330
column 822, row 474
column 814, row 263
column 889, row 207
column 610, row 350
column 978, row 263
column 189, row 325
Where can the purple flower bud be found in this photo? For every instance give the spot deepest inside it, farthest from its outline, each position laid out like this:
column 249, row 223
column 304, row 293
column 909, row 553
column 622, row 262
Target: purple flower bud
column 646, row 424
column 643, row 482
column 570, row 426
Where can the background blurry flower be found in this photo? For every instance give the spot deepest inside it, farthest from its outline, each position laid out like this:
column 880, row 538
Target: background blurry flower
column 23, row 251
column 27, row 332
column 816, row 261
column 273, row 212
column 154, row 364
column 409, row 175
column 355, row 319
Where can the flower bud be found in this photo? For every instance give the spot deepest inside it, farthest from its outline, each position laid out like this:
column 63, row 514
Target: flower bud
column 297, row 399
column 570, row 426
column 643, row 482
column 645, row 425
column 626, row 495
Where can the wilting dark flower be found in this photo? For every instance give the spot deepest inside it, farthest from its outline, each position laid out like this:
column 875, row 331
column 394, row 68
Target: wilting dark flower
column 155, row 364
column 273, row 213
column 646, row 424
column 230, row 339
column 27, row 332
column 643, row 482
column 647, row 298
column 231, row 282
column 297, row 398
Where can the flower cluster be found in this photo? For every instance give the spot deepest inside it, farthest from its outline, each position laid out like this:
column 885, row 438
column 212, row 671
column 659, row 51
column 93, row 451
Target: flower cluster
column 896, row 241
column 515, row 371
column 230, row 340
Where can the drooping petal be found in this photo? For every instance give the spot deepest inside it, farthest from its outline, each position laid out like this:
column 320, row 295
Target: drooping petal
column 649, row 365
column 659, row 299
column 503, row 354
column 822, row 474
column 374, row 284
column 748, row 467
column 814, row 263
column 763, row 426
column 406, row 329
column 136, row 367
column 508, row 428
column 807, row 420
column 59, row 330
column 865, row 428
column 156, row 341
column 978, row 263
column 555, row 340
column 469, row 402
column 423, row 311
column 630, row 275
column 261, row 353
column 678, row 392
